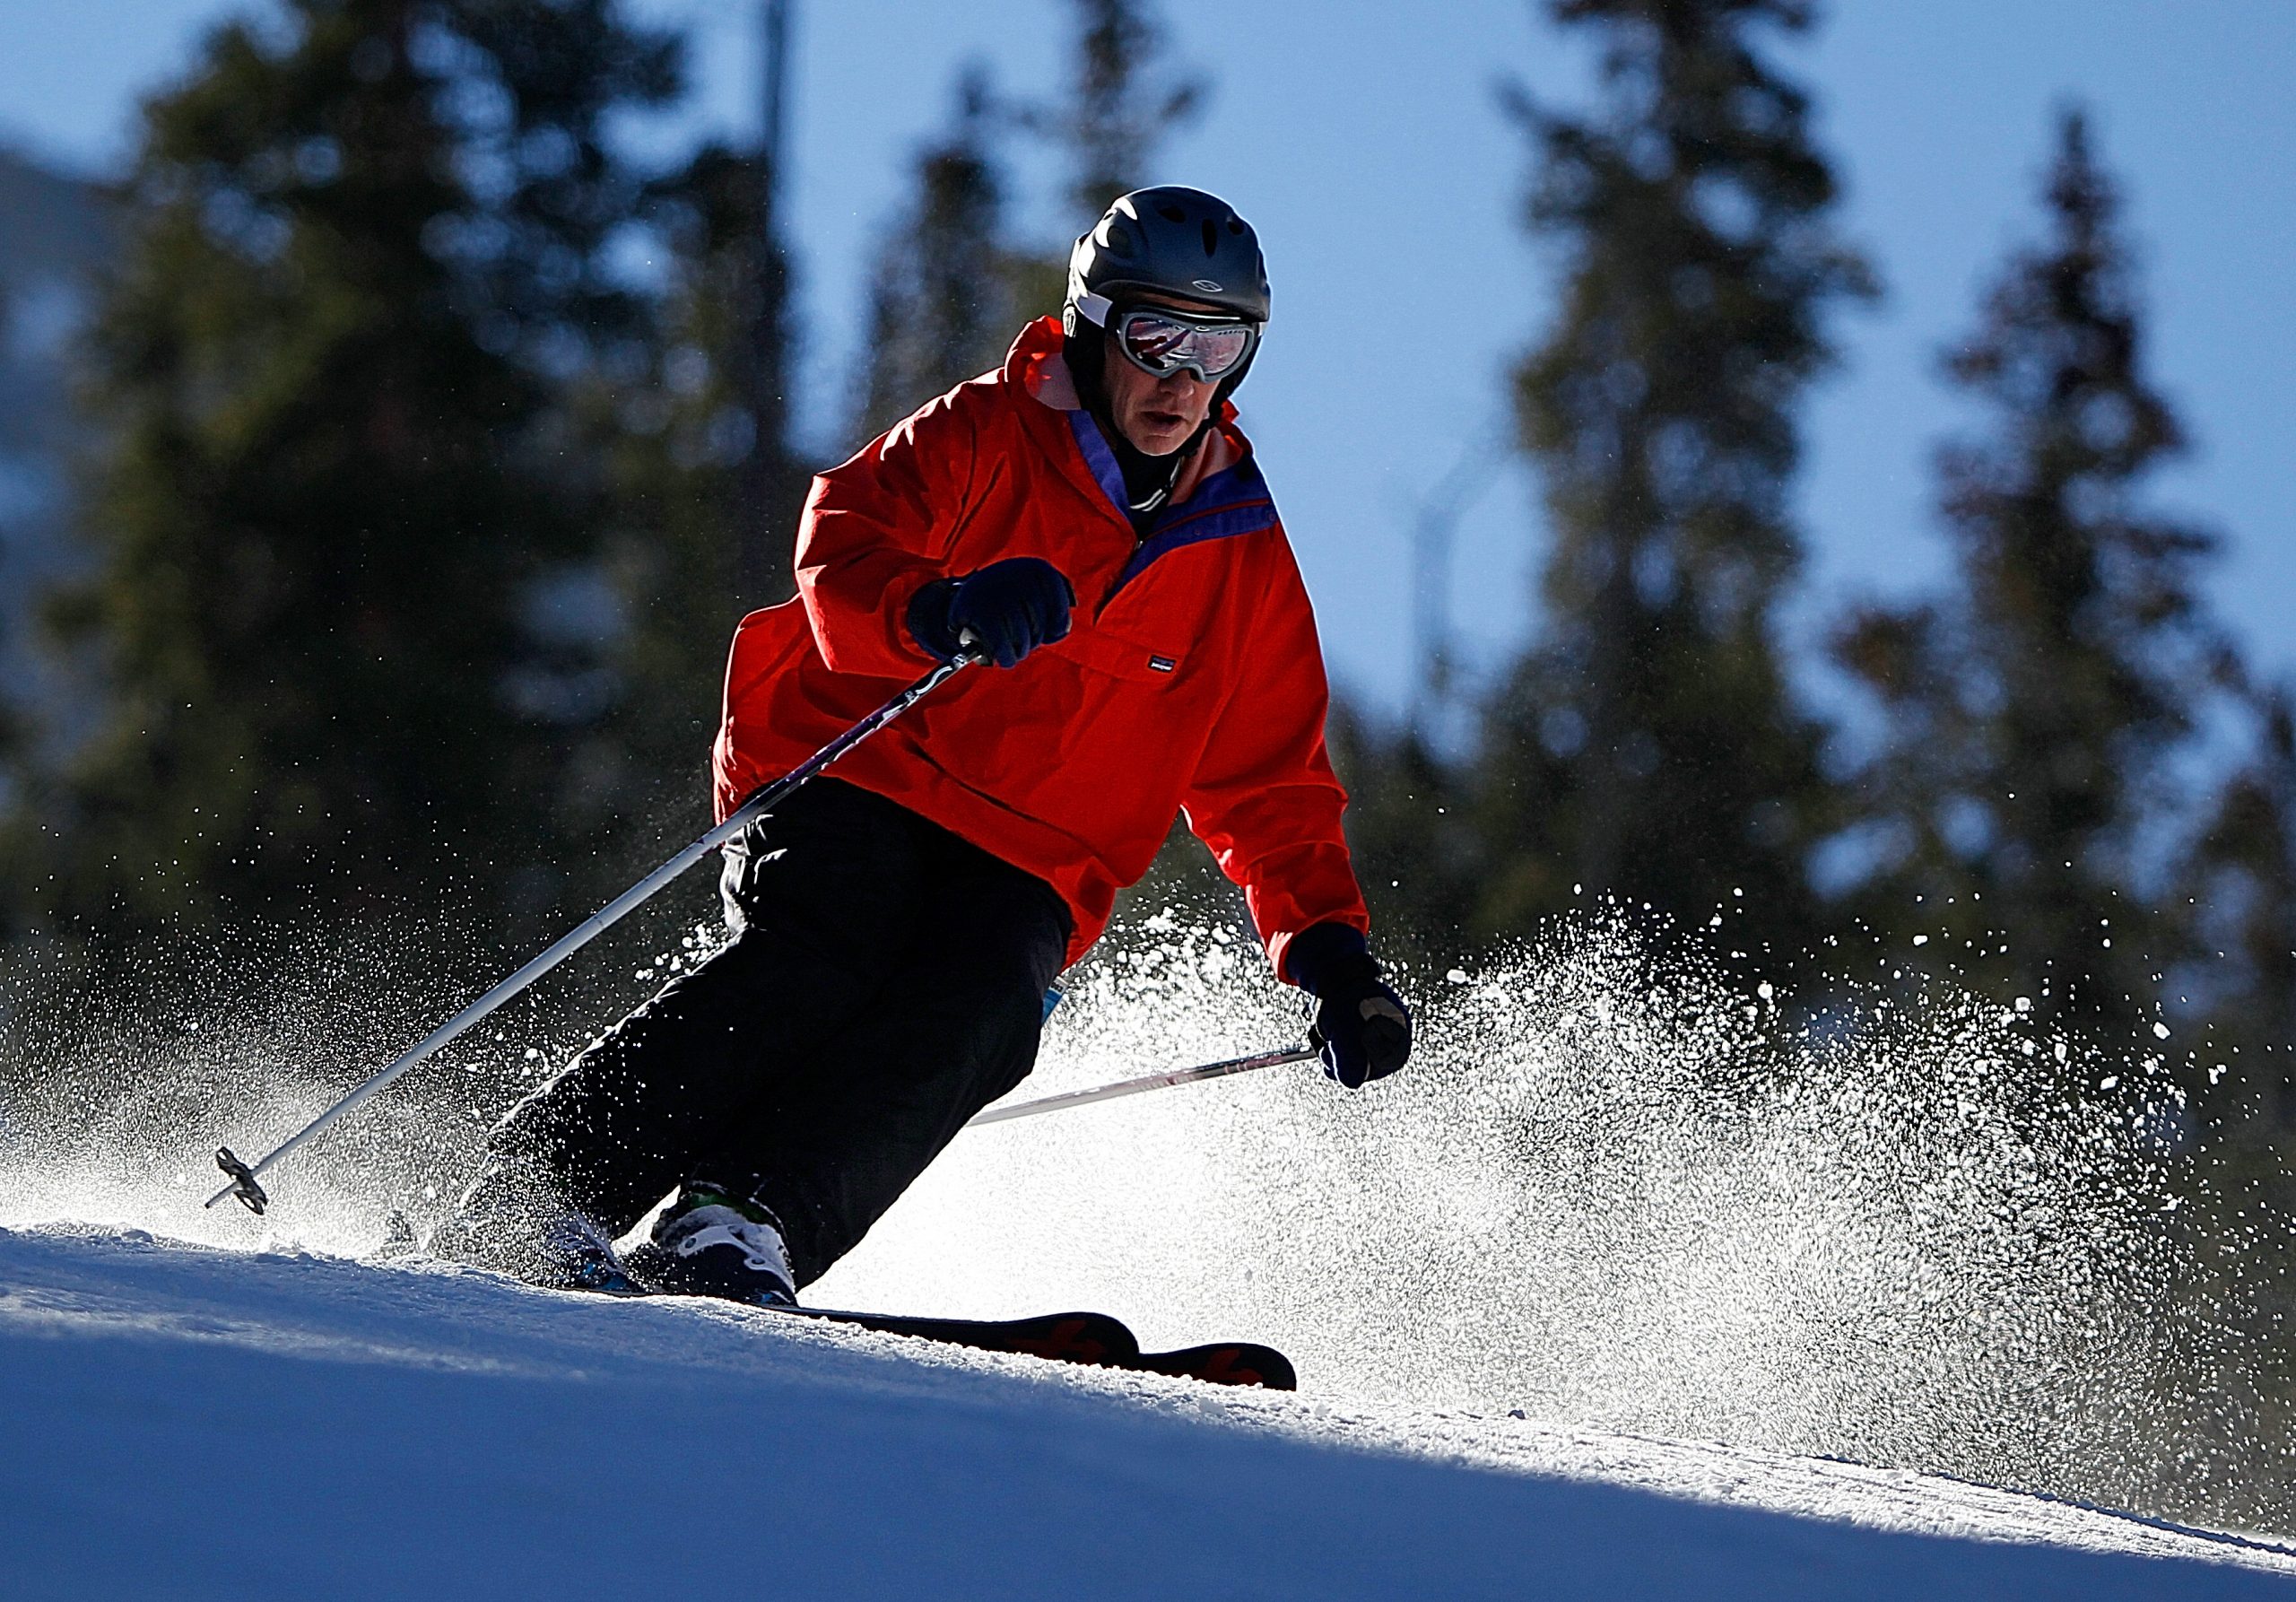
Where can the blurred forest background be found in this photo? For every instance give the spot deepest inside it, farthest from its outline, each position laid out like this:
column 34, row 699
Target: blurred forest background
column 374, row 532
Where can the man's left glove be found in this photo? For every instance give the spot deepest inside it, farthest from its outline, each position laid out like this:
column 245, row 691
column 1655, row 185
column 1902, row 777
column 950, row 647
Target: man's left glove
column 1362, row 1027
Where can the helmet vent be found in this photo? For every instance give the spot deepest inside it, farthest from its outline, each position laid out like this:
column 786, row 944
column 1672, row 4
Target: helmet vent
column 1146, row 244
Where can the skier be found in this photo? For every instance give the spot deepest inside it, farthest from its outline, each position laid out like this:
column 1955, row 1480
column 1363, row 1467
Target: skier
column 1090, row 520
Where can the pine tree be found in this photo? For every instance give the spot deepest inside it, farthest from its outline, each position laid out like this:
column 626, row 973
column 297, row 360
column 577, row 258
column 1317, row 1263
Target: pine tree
column 2240, row 1188
column 58, row 235
column 1649, row 744
column 2025, row 789
column 684, row 549
column 942, row 303
column 1410, row 830
column 773, row 481
column 1123, row 98
column 2244, row 868
column 1123, row 102
column 347, row 604
column 950, row 286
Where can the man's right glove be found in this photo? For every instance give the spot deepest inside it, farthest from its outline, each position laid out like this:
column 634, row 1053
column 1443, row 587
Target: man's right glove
column 1362, row 1028
column 1009, row 607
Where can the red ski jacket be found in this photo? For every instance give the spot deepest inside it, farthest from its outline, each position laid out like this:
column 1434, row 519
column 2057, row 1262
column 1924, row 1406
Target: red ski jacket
column 1191, row 681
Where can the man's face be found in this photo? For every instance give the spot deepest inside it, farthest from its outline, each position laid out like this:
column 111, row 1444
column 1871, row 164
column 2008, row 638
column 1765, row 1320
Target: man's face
column 1157, row 415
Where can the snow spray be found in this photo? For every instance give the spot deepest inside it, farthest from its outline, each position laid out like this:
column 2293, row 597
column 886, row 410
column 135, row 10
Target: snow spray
column 1617, row 1190
column 1618, row 1186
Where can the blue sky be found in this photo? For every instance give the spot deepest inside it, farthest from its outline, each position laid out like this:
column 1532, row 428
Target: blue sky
column 1364, row 140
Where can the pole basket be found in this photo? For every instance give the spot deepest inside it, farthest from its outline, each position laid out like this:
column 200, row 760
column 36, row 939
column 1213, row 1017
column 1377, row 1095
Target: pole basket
column 243, row 1181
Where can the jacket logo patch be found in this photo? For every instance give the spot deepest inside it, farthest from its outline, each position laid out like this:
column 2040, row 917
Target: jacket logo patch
column 1163, row 664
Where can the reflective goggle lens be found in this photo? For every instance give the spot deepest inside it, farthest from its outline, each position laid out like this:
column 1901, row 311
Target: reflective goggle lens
column 1161, row 344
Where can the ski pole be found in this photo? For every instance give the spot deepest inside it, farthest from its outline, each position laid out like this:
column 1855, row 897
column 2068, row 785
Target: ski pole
column 244, row 1175
column 1133, row 1087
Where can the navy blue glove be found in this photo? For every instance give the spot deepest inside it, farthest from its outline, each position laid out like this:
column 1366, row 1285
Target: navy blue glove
column 1362, row 1028
column 1009, row 607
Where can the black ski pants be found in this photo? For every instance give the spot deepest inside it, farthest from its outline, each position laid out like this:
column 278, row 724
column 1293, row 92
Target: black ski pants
column 885, row 982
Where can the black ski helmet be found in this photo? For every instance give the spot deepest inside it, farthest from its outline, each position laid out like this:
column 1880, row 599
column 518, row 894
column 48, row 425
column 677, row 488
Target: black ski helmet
column 1173, row 241
column 1169, row 239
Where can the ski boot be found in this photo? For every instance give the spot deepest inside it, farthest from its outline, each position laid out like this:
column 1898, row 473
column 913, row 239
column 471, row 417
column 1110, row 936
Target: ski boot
column 712, row 1241
column 509, row 1223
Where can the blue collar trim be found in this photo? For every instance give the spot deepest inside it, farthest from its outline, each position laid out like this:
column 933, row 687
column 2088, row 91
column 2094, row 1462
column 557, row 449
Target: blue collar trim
column 1100, row 459
column 1230, row 502
column 1233, row 500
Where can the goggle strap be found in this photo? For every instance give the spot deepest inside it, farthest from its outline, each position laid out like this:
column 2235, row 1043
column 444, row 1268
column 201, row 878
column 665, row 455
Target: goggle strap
column 1096, row 308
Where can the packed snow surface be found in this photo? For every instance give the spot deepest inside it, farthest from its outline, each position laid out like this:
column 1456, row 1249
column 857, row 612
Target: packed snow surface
column 186, row 1421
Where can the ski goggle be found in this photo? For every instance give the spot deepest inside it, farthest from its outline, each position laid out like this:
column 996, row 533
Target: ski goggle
column 1162, row 342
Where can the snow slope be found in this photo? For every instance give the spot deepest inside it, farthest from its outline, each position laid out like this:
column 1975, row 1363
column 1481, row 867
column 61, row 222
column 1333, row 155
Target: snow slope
column 184, row 1422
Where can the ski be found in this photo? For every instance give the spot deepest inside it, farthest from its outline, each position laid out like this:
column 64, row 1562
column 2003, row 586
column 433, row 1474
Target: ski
column 1094, row 1340
column 1224, row 1362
